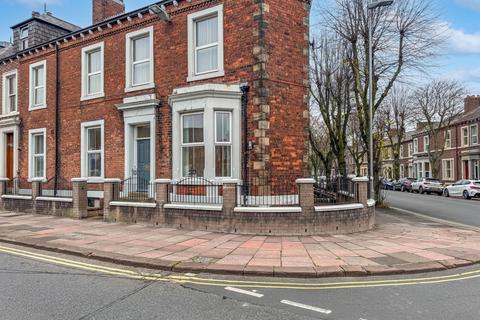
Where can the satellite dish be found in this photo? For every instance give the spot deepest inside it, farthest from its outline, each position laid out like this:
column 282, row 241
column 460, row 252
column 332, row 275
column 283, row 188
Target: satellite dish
column 160, row 12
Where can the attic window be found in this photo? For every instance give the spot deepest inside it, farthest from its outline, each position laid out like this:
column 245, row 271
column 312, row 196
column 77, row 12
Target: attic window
column 24, row 38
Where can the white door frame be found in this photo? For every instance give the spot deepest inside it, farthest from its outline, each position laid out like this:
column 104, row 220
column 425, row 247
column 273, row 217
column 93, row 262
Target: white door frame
column 3, row 147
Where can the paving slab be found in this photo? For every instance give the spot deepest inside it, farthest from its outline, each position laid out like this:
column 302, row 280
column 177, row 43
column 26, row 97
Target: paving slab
column 394, row 246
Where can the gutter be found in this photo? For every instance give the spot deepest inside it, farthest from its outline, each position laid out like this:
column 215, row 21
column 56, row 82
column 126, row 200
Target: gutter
column 57, row 119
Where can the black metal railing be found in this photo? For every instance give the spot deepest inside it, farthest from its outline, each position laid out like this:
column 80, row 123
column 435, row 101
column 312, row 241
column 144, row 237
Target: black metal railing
column 195, row 190
column 19, row 187
column 333, row 190
column 57, row 188
column 136, row 189
column 278, row 193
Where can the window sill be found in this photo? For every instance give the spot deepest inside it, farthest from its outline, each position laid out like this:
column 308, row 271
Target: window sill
column 92, row 97
column 95, row 180
column 10, row 114
column 33, row 108
column 141, row 87
column 210, row 75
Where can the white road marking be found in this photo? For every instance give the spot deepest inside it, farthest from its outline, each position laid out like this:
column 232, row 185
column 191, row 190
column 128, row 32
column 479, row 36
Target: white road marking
column 305, row 306
column 250, row 293
column 190, row 274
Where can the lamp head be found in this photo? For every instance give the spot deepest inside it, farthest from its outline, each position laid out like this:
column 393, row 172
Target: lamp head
column 381, row 3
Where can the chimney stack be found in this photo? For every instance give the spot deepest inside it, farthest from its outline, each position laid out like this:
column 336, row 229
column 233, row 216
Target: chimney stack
column 105, row 9
column 471, row 103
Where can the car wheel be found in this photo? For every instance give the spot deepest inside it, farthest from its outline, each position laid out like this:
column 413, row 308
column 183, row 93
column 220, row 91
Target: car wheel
column 429, row 193
column 446, row 193
column 420, row 190
column 440, row 193
column 466, row 196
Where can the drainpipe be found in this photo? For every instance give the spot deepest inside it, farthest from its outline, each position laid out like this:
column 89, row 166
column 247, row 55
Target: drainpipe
column 245, row 89
column 458, row 162
column 57, row 119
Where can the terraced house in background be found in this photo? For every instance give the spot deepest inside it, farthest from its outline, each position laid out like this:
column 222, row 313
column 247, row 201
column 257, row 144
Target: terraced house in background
column 209, row 88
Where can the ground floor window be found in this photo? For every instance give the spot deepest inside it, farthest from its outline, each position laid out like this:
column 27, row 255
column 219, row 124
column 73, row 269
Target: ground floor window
column 92, row 149
column 37, row 151
column 476, row 169
column 223, row 144
column 193, row 145
column 448, row 169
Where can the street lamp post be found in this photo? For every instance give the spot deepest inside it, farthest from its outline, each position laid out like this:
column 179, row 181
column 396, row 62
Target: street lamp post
column 372, row 6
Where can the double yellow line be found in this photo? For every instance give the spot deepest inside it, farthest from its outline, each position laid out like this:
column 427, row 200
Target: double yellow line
column 239, row 283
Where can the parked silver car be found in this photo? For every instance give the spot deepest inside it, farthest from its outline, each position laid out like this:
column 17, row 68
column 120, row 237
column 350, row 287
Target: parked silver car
column 427, row 185
column 467, row 189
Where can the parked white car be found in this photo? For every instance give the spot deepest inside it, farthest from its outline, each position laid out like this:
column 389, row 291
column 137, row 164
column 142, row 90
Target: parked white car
column 427, row 185
column 467, row 189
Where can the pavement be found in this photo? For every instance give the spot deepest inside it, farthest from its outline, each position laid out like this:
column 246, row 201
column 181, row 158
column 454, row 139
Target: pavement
column 399, row 244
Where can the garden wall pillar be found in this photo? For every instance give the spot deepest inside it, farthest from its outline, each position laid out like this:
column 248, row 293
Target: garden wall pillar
column 111, row 192
column 80, row 198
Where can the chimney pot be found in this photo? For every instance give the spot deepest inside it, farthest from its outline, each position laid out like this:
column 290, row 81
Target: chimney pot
column 471, row 103
column 35, row 14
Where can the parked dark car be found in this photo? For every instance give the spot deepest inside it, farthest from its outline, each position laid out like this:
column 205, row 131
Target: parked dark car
column 404, row 184
column 388, row 184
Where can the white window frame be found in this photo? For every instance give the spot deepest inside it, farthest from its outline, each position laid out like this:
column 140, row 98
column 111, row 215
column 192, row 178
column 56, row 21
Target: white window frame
column 23, row 40
column 447, row 177
column 410, row 149
column 84, row 148
column 426, row 142
column 471, row 135
column 5, row 95
column 31, row 133
column 192, row 144
column 415, row 145
column 85, row 76
column 448, row 134
column 129, row 87
column 43, row 105
column 223, row 144
column 192, row 56
column 465, row 136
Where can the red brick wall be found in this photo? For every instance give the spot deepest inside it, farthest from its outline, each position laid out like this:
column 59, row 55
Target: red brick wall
column 286, row 98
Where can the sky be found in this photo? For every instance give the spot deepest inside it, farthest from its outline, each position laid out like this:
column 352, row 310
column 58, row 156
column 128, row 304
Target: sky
column 460, row 59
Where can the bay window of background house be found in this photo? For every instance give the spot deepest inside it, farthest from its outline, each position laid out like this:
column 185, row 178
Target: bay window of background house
column 193, row 145
column 448, row 169
column 37, row 85
column 448, row 139
column 426, row 143
column 139, row 60
column 474, row 134
column 10, row 100
column 37, row 153
column 92, row 149
column 465, row 137
column 92, row 71
column 223, row 144
column 426, row 170
column 205, row 34
column 24, row 38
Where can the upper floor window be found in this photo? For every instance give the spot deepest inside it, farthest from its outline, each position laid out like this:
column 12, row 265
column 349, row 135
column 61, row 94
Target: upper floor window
column 38, row 90
column 92, row 71
column 410, row 146
column 401, row 152
column 139, row 60
column 10, row 96
column 465, row 137
column 205, row 43
column 474, row 134
column 24, row 38
column 426, row 143
column 415, row 145
column 448, row 139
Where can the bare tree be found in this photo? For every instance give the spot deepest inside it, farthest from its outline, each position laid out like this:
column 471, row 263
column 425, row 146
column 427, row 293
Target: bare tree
column 398, row 114
column 439, row 103
column 405, row 37
column 355, row 145
column 321, row 155
column 331, row 91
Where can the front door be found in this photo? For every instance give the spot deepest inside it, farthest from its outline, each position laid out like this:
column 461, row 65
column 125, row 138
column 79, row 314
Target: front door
column 9, row 156
column 143, row 164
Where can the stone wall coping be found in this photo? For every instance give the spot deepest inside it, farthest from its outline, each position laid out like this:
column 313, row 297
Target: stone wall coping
column 4, row 179
column 54, row 199
column 163, row 181
column 230, row 181
column 340, row 207
column 360, row 179
column 12, row 196
column 181, row 206
column 79, row 180
column 37, row 180
column 133, row 204
column 112, row 180
column 268, row 209
column 305, row 181
column 371, row 203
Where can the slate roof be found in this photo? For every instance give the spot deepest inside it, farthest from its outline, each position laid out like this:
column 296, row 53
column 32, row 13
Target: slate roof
column 49, row 18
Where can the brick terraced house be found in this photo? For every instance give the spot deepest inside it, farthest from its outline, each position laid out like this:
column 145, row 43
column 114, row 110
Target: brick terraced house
column 211, row 88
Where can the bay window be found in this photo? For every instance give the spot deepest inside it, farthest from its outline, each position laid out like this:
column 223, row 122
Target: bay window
column 193, row 145
column 205, row 34
column 92, row 71
column 139, row 60
column 37, row 85
column 223, row 144
column 37, row 153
